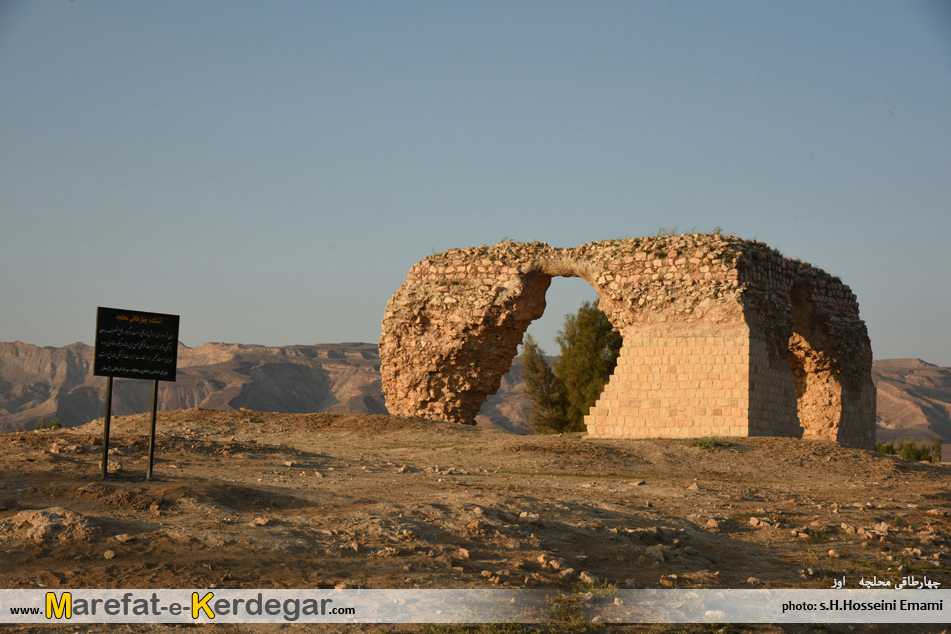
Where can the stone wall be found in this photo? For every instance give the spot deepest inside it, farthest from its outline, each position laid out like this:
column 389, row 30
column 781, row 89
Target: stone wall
column 721, row 337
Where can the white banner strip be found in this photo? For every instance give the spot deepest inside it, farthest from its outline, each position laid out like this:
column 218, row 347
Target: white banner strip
column 473, row 606
column 273, row 606
column 774, row 606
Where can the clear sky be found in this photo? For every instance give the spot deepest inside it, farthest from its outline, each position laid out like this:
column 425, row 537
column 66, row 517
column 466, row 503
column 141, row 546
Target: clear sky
column 271, row 170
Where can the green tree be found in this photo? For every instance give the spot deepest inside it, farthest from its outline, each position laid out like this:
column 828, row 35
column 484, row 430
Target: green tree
column 549, row 406
column 563, row 395
column 908, row 450
column 589, row 351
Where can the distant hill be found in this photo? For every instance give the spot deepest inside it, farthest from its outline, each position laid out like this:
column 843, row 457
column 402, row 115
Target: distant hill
column 914, row 397
column 914, row 400
column 58, row 383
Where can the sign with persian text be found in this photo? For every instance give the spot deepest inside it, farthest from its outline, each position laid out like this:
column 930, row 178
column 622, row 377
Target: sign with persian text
column 135, row 345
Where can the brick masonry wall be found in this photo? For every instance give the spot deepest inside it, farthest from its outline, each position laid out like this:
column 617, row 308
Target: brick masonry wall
column 772, row 394
column 677, row 381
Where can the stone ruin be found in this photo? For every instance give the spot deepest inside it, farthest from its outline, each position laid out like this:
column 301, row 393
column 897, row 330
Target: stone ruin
column 722, row 337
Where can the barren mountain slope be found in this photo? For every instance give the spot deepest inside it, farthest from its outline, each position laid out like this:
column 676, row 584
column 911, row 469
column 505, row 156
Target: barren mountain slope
column 914, row 400
column 58, row 382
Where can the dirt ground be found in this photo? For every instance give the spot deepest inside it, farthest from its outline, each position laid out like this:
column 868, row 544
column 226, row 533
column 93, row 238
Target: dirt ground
column 245, row 499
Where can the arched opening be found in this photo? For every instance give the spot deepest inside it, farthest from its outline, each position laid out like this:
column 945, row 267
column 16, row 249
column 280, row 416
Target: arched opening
column 814, row 368
column 507, row 408
column 564, row 296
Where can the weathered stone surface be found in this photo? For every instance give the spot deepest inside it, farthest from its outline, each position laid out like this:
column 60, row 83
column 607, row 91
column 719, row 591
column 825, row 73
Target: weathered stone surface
column 722, row 336
column 54, row 524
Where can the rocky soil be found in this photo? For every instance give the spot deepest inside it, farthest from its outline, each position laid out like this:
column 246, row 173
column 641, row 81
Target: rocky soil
column 244, row 499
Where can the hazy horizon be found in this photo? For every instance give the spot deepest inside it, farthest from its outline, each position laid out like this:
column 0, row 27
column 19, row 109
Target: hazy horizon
column 549, row 354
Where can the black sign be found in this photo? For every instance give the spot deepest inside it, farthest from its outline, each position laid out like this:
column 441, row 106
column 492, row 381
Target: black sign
column 136, row 345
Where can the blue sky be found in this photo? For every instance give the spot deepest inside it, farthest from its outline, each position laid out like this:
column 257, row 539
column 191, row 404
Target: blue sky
column 271, row 171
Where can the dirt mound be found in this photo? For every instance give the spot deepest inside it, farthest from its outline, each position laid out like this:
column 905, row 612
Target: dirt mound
column 53, row 524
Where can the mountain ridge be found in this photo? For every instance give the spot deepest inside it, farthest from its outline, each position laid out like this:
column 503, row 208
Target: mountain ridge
column 38, row 382
column 914, row 396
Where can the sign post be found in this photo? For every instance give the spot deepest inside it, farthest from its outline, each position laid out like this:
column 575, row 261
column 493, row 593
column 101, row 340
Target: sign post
column 148, row 474
column 134, row 345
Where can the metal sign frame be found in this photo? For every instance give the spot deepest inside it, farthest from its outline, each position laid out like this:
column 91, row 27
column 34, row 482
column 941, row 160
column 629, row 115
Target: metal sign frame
column 136, row 345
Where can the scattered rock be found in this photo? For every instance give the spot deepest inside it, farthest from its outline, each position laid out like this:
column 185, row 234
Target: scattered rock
column 587, row 577
column 753, row 581
column 656, row 552
column 668, row 581
column 558, row 564
column 529, row 518
column 109, row 554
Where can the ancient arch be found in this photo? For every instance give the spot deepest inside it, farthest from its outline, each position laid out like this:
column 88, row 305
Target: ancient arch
column 722, row 336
